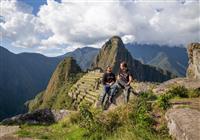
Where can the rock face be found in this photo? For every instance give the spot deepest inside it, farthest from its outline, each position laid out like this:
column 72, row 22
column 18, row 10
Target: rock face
column 184, row 124
column 41, row 116
column 193, row 71
column 113, row 53
column 187, row 83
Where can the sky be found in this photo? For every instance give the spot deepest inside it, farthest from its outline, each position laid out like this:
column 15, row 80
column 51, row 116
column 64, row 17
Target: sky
column 54, row 27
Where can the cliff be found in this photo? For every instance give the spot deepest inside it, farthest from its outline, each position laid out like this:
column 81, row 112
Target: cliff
column 193, row 71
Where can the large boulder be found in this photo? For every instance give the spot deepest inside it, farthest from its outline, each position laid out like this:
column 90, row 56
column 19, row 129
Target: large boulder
column 184, row 123
column 41, row 116
column 187, row 83
column 193, row 71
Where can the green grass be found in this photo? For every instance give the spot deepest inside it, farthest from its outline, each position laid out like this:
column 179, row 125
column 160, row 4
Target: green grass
column 133, row 121
column 176, row 92
column 52, row 132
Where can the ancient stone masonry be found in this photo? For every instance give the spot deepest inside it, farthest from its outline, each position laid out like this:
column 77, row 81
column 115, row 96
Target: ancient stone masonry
column 87, row 88
column 193, row 71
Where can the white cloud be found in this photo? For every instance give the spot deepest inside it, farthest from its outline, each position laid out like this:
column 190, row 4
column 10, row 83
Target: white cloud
column 70, row 24
column 128, row 39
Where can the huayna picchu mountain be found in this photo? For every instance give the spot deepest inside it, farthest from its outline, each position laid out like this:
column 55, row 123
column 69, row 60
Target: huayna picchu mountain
column 114, row 52
column 55, row 95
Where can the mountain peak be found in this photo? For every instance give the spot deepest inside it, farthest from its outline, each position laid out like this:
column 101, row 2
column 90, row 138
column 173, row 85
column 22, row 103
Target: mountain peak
column 64, row 73
column 114, row 52
column 115, row 42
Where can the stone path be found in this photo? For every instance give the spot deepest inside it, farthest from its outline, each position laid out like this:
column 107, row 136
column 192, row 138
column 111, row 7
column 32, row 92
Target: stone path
column 7, row 133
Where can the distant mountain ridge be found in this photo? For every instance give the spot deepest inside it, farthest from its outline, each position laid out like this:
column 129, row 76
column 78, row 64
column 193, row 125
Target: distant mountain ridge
column 21, row 77
column 83, row 56
column 114, row 52
column 173, row 59
column 164, row 57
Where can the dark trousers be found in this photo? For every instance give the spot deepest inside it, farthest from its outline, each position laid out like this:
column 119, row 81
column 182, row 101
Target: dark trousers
column 126, row 91
column 106, row 90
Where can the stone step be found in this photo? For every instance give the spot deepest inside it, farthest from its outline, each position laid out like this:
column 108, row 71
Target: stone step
column 90, row 93
column 85, row 98
column 85, row 86
column 86, row 82
column 94, row 93
column 96, row 74
column 91, row 76
column 73, row 94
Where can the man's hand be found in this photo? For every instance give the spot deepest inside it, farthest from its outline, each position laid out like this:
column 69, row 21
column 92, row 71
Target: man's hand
column 111, row 83
column 128, row 84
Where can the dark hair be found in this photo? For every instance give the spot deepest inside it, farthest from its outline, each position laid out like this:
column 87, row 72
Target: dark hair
column 124, row 64
column 108, row 67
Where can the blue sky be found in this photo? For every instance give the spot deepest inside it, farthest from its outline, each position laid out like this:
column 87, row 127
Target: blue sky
column 54, row 27
column 35, row 4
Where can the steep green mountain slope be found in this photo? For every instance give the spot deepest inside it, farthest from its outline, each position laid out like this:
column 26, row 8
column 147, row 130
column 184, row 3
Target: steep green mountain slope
column 173, row 59
column 83, row 56
column 22, row 76
column 55, row 96
column 114, row 52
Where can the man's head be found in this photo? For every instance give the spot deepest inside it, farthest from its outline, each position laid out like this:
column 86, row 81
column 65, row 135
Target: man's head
column 109, row 69
column 123, row 66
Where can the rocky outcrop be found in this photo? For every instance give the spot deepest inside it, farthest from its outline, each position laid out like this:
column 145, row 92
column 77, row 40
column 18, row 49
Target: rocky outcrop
column 187, row 83
column 184, row 123
column 113, row 53
column 41, row 116
column 193, row 71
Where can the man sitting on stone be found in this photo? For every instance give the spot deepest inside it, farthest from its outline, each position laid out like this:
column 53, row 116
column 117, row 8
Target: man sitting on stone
column 108, row 80
column 124, row 80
